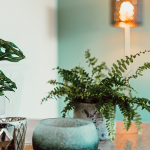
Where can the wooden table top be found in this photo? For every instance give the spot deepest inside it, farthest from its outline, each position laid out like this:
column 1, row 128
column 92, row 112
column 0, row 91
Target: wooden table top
column 124, row 140
column 28, row 147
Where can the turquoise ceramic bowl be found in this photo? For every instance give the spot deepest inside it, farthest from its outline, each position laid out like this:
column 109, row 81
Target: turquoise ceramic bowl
column 65, row 134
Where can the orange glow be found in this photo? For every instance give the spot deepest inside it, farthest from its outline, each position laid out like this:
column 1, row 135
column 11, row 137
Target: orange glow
column 126, row 11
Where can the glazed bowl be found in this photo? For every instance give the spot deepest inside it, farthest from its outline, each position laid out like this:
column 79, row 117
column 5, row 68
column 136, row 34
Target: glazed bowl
column 65, row 134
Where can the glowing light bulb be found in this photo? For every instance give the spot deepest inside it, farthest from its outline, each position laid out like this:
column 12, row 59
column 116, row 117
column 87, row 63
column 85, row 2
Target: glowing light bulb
column 126, row 11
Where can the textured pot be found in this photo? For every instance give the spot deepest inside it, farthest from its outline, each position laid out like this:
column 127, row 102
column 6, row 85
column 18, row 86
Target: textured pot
column 65, row 134
column 89, row 112
column 6, row 135
column 2, row 105
column 20, row 125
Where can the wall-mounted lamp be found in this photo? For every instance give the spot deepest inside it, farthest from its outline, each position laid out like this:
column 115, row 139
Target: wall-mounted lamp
column 126, row 14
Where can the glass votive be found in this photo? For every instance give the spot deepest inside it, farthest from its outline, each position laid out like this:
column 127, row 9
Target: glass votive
column 6, row 135
column 20, row 125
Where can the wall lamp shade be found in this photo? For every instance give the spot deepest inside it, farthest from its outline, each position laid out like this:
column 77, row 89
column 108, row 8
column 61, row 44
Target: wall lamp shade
column 126, row 12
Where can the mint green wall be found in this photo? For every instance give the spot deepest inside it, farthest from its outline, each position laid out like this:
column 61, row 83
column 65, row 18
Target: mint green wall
column 85, row 24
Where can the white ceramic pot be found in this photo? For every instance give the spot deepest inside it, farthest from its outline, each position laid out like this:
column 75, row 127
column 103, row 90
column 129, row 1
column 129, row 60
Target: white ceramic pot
column 2, row 105
column 89, row 112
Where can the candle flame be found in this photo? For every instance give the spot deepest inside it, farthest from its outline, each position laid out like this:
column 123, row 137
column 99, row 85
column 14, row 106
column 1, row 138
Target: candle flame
column 126, row 11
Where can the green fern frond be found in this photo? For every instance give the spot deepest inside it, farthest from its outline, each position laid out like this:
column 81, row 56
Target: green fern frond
column 137, row 119
column 109, row 113
column 122, row 67
column 91, row 61
column 110, row 128
column 127, row 123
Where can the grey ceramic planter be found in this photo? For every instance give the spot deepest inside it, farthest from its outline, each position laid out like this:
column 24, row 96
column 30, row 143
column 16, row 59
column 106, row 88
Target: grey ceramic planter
column 2, row 105
column 89, row 112
column 65, row 134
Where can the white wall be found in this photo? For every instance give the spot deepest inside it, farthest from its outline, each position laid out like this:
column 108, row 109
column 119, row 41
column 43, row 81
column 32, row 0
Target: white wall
column 31, row 25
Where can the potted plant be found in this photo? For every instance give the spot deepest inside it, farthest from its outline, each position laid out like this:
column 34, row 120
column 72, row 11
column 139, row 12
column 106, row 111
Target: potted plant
column 101, row 91
column 8, row 52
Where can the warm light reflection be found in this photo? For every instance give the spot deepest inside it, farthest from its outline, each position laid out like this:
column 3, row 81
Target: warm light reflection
column 131, row 140
column 126, row 11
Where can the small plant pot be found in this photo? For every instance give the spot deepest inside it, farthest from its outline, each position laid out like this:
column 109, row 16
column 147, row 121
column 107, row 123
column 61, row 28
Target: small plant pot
column 20, row 125
column 89, row 112
column 2, row 105
column 65, row 134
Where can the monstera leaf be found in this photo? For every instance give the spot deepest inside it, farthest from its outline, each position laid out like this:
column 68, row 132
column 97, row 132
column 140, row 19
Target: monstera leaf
column 6, row 84
column 10, row 52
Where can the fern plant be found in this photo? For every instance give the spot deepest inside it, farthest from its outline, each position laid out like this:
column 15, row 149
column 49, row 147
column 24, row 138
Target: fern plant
column 106, row 91
column 8, row 52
